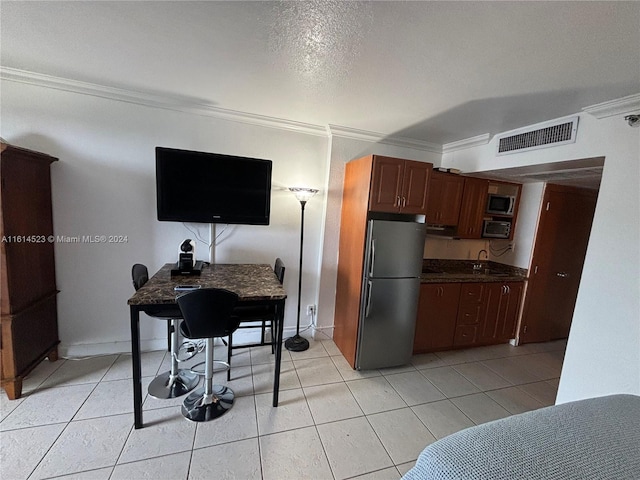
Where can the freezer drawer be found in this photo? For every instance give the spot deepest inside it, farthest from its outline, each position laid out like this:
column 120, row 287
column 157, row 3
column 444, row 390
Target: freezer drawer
column 387, row 322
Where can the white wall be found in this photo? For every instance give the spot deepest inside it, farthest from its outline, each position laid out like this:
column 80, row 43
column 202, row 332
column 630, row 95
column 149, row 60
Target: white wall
column 104, row 183
column 437, row 247
column 341, row 151
column 603, row 352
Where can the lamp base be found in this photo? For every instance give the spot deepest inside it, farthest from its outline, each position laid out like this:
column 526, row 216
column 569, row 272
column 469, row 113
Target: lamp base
column 296, row 343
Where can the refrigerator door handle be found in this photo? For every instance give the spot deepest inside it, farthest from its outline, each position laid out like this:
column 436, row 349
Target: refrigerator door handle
column 368, row 300
column 372, row 257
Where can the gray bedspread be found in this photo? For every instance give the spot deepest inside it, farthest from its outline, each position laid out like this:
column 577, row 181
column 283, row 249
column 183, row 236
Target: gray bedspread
column 598, row 438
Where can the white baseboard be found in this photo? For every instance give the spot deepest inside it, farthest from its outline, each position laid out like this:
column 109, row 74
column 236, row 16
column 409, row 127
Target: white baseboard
column 112, row 348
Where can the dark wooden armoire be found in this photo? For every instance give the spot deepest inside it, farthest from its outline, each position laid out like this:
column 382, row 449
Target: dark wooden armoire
column 28, row 296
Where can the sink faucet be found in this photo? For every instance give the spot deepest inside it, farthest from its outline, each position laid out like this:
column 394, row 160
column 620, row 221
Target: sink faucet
column 478, row 265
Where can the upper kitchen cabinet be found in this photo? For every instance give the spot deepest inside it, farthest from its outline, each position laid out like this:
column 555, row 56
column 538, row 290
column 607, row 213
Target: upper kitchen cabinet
column 472, row 211
column 399, row 186
column 445, row 198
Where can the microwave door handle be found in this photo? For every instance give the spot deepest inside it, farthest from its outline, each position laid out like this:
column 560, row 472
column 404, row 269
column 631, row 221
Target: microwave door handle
column 512, row 205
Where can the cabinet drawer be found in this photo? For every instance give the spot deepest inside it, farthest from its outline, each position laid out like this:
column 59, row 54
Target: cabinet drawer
column 469, row 314
column 465, row 335
column 471, row 293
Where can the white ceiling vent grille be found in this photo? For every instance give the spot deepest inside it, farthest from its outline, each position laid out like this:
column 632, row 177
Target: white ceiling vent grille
column 538, row 136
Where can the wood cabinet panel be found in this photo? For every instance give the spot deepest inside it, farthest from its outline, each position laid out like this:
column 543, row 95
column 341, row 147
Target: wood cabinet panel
column 466, row 335
column 470, row 314
column 502, row 307
column 415, row 187
column 472, row 293
column 445, row 198
column 386, row 184
column 472, row 210
column 436, row 319
column 399, row 186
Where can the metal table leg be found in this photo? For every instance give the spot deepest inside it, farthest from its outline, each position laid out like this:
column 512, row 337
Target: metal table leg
column 137, row 366
column 279, row 333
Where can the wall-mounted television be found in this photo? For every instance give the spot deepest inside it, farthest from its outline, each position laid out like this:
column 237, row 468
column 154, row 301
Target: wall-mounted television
column 212, row 188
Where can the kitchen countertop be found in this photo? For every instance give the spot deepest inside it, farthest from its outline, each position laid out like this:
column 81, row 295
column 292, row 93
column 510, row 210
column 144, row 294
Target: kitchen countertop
column 457, row 271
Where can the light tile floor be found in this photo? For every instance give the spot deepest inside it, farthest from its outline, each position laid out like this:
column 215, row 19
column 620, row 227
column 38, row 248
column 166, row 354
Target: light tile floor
column 75, row 418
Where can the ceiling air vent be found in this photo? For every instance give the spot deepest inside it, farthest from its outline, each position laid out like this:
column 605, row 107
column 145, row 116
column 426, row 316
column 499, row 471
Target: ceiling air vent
column 542, row 135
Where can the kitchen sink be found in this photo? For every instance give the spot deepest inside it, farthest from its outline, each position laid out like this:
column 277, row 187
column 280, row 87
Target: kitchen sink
column 495, row 273
column 431, row 270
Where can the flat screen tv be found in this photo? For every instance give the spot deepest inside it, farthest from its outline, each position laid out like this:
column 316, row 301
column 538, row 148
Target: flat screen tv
column 212, row 188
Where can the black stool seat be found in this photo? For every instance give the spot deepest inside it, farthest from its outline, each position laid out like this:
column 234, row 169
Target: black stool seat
column 207, row 314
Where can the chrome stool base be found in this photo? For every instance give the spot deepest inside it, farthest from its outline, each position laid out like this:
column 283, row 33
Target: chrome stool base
column 166, row 386
column 198, row 409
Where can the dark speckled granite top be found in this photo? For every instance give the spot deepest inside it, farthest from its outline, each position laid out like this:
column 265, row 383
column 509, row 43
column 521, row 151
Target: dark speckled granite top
column 249, row 281
column 456, row 271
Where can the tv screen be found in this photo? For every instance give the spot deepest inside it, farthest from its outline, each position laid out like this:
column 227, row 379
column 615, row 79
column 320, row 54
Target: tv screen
column 212, row 188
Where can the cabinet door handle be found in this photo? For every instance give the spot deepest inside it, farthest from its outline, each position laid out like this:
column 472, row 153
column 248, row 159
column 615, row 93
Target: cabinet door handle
column 562, row 274
column 397, row 204
column 404, row 201
column 368, row 302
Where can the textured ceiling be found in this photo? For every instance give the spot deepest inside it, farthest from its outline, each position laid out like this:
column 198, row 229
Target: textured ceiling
column 432, row 71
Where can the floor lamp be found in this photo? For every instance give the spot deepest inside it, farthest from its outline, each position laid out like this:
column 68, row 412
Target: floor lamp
column 298, row 343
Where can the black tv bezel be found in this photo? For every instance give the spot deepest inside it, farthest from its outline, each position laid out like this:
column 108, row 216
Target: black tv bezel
column 233, row 219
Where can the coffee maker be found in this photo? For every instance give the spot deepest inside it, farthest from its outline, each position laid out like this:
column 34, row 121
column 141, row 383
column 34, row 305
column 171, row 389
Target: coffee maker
column 187, row 255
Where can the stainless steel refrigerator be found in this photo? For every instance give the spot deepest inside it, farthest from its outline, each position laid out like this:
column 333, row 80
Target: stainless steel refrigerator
column 390, row 289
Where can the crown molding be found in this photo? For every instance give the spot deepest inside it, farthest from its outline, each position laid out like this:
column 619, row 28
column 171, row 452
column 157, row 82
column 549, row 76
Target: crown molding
column 619, row 106
column 155, row 100
column 374, row 137
column 466, row 143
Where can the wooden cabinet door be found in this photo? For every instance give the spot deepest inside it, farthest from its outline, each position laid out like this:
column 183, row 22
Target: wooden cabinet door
column 510, row 311
column 415, row 187
column 386, row 184
column 436, row 319
column 444, row 199
column 474, row 200
column 501, row 312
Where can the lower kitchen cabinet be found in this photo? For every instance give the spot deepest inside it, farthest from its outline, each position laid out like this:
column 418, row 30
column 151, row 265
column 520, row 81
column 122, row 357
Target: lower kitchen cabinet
column 436, row 320
column 470, row 314
column 501, row 312
column 453, row 315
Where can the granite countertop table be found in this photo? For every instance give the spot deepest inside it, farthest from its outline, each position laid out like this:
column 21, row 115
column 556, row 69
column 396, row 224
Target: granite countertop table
column 254, row 282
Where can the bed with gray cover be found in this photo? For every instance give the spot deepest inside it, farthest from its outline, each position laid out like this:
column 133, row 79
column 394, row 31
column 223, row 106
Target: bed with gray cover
column 597, row 438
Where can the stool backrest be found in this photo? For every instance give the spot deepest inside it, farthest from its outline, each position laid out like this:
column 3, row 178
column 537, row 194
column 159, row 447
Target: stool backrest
column 279, row 269
column 207, row 312
column 139, row 275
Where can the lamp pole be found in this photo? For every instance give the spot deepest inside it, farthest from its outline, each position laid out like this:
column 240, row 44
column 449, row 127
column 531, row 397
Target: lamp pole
column 298, row 343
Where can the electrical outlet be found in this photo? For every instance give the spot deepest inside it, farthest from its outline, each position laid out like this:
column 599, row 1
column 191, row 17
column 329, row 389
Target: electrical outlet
column 311, row 310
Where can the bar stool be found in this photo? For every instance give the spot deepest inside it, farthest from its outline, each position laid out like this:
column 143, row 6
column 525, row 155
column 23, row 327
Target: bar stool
column 207, row 314
column 176, row 382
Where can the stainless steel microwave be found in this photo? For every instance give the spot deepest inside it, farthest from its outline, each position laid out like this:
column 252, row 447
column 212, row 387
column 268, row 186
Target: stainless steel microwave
column 496, row 229
column 501, row 204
